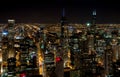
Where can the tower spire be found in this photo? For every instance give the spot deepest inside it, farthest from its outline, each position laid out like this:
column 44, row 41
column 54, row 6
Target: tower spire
column 94, row 12
column 63, row 12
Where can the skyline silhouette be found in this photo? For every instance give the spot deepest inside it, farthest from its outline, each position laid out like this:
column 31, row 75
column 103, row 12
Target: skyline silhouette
column 76, row 11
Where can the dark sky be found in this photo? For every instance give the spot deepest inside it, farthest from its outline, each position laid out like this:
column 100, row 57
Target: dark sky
column 50, row 11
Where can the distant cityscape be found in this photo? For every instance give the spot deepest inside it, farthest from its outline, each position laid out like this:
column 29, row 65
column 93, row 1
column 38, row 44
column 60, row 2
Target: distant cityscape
column 59, row 50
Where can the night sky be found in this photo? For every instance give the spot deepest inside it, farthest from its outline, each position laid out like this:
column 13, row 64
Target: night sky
column 50, row 11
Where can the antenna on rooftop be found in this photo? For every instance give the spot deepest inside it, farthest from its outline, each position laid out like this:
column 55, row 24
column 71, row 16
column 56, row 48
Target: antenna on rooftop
column 63, row 12
column 94, row 12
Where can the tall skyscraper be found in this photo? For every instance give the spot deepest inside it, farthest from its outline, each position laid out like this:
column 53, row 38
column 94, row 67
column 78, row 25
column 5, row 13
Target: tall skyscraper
column 11, row 32
column 60, row 65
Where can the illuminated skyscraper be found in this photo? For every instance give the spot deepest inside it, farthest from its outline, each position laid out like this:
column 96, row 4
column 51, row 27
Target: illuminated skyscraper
column 11, row 32
column 60, row 65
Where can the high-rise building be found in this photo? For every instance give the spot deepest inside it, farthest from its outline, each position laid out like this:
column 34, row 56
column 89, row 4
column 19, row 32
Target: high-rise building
column 60, row 65
column 11, row 33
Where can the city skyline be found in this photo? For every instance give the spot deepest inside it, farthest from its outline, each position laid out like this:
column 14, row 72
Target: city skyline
column 76, row 11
